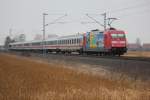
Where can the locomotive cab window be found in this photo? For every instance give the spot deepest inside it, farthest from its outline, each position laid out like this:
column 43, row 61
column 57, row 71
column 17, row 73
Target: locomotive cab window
column 118, row 35
column 121, row 35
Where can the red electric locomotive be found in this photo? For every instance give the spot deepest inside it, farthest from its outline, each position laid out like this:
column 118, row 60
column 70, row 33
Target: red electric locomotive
column 115, row 41
column 108, row 42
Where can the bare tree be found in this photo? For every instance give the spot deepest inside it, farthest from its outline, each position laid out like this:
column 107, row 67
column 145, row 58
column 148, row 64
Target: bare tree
column 8, row 40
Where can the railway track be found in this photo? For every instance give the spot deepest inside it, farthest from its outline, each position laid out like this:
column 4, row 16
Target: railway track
column 143, row 59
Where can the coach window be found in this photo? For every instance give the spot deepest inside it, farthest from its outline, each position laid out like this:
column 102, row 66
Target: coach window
column 72, row 41
column 76, row 41
column 60, row 41
column 49, row 42
column 64, row 41
column 79, row 41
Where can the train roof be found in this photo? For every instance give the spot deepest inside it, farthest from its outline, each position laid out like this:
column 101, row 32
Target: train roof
column 71, row 36
column 51, row 39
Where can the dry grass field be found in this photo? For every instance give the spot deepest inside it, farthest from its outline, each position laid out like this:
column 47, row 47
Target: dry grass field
column 138, row 54
column 25, row 79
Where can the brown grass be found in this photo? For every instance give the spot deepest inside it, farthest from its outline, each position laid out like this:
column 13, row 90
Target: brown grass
column 138, row 54
column 26, row 79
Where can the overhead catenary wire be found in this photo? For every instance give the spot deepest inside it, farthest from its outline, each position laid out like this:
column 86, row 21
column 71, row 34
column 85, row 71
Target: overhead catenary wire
column 129, row 8
column 53, row 22
column 146, row 11
column 94, row 20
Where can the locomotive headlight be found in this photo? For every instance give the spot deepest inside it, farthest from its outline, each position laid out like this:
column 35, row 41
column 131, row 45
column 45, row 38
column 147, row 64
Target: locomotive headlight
column 120, row 42
column 113, row 42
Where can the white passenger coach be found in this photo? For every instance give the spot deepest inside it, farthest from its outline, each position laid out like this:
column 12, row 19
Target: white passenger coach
column 60, row 44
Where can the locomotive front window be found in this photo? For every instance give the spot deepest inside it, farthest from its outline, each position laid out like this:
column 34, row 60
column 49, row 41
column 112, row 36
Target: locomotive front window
column 114, row 35
column 118, row 35
column 121, row 36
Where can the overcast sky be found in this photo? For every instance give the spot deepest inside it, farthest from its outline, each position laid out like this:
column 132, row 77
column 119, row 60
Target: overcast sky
column 25, row 16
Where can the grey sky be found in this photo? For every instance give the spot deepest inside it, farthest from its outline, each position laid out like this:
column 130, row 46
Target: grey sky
column 25, row 16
